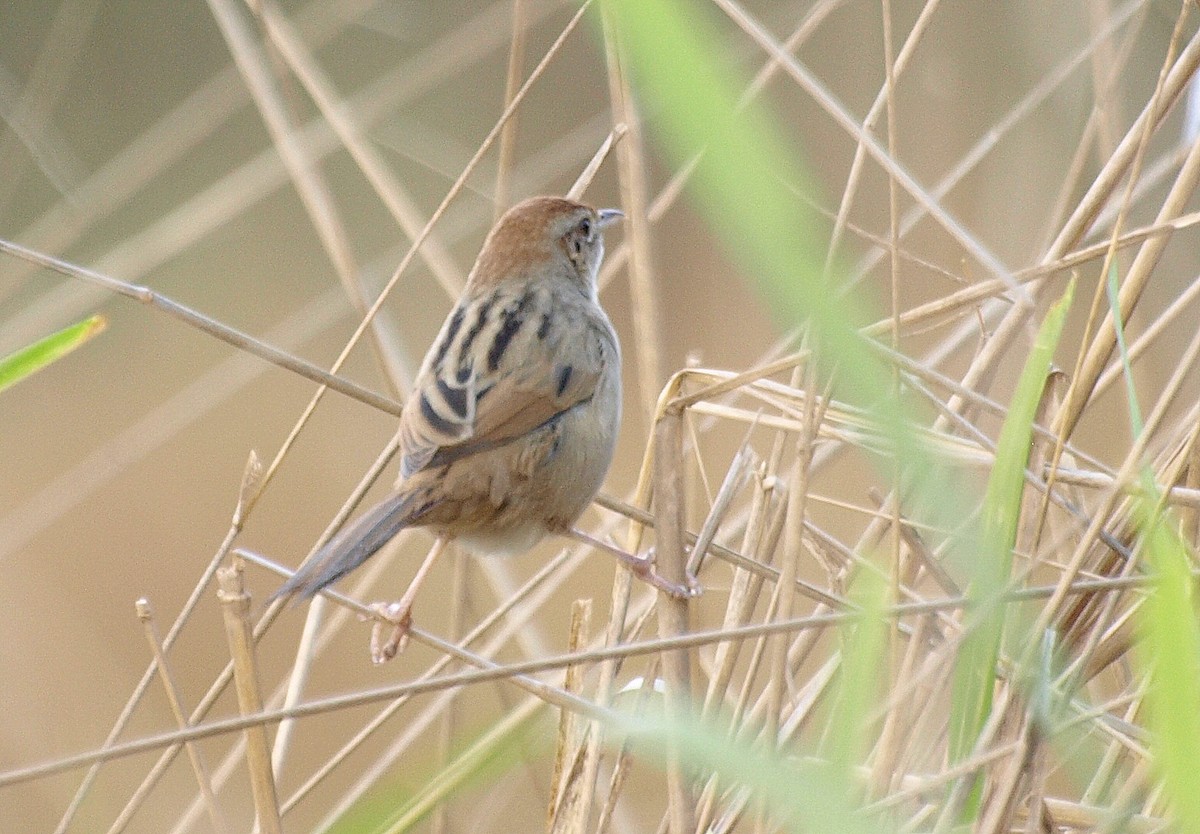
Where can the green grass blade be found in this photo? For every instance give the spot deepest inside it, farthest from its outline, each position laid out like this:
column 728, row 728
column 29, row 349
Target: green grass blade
column 26, row 361
column 1112, row 290
column 799, row 794
column 1169, row 645
column 975, row 670
column 864, row 642
column 1170, row 648
column 507, row 744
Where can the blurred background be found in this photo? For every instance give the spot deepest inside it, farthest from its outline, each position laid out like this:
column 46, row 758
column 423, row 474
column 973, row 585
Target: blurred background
column 130, row 144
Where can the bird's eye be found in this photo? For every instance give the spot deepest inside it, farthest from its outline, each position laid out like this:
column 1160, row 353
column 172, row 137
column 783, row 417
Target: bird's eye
column 585, row 227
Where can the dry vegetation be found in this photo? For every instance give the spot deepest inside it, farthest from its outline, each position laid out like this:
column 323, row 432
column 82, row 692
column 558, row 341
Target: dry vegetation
column 1061, row 155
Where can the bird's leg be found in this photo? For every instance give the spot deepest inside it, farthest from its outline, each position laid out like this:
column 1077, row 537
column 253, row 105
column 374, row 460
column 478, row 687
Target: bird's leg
column 641, row 566
column 399, row 614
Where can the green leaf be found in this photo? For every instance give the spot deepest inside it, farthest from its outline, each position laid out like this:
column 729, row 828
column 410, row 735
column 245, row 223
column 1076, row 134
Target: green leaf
column 975, row 670
column 1170, row 649
column 17, row 366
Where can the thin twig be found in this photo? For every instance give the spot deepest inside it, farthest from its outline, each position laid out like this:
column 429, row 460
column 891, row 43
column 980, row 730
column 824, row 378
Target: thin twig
column 146, row 614
column 206, row 324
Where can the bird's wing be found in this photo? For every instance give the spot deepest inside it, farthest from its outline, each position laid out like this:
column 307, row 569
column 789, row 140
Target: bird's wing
column 515, row 380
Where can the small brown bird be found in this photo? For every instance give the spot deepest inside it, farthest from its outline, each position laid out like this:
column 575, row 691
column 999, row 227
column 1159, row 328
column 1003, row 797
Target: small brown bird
column 512, row 420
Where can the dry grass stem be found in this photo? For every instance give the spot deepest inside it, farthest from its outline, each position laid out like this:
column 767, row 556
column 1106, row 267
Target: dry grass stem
column 235, row 604
column 671, row 563
column 631, row 165
column 387, row 186
column 145, row 613
column 562, row 813
column 242, row 341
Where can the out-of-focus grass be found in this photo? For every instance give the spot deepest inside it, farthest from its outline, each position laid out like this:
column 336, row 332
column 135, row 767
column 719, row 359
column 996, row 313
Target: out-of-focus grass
column 743, row 184
column 492, row 754
column 802, row 793
column 746, row 184
column 1169, row 653
column 860, row 687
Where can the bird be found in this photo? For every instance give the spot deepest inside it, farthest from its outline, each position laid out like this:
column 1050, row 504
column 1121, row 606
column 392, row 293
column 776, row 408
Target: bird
column 511, row 425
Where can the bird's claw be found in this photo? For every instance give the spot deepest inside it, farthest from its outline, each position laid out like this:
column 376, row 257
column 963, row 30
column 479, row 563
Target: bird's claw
column 643, row 569
column 398, row 619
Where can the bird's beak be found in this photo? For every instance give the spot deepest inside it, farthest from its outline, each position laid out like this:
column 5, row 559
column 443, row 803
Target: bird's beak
column 609, row 216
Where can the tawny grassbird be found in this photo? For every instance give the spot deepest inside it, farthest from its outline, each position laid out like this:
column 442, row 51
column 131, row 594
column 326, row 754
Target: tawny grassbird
column 511, row 424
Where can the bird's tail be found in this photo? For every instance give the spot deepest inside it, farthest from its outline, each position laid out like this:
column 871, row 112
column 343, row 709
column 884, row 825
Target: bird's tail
column 351, row 547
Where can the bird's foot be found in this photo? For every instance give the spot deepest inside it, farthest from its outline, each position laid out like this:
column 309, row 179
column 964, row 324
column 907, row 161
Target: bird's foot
column 643, row 568
column 396, row 621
